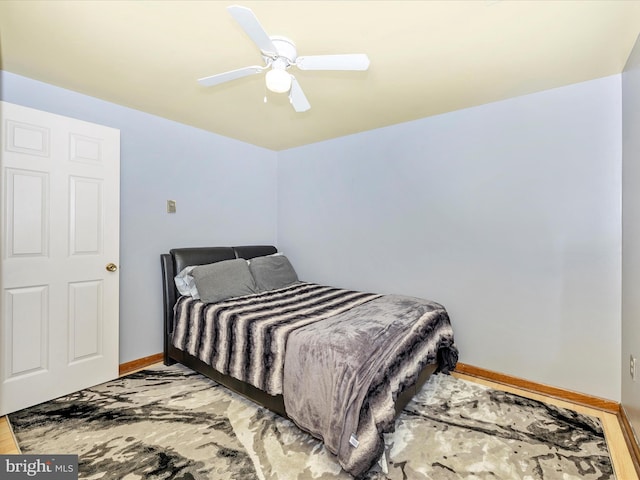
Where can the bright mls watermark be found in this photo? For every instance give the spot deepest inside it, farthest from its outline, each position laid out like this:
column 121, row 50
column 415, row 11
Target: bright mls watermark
column 51, row 467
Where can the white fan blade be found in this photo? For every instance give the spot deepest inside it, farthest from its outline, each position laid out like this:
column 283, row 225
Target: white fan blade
column 227, row 76
column 354, row 61
column 297, row 97
column 250, row 24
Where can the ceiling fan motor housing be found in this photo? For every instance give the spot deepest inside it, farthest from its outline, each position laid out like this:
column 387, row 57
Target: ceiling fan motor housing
column 286, row 50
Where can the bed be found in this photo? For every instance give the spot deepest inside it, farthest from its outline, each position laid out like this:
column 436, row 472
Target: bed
column 287, row 349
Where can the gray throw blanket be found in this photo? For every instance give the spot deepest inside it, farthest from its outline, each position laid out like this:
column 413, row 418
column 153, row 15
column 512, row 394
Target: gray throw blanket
column 342, row 375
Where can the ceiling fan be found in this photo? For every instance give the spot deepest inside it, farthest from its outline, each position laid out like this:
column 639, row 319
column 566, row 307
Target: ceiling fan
column 279, row 54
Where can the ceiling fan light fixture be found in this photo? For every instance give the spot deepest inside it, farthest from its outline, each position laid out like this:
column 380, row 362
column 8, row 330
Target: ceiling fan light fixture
column 278, row 81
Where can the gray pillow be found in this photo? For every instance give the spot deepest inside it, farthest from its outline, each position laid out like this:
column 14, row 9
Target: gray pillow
column 222, row 280
column 272, row 271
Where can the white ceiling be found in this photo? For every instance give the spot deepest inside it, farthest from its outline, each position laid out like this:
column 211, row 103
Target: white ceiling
column 427, row 57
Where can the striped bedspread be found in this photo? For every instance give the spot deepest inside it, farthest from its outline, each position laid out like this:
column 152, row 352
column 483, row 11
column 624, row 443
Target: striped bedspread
column 246, row 337
column 338, row 357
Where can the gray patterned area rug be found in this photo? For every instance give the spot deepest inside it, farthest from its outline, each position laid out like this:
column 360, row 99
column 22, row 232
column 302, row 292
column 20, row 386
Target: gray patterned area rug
column 171, row 423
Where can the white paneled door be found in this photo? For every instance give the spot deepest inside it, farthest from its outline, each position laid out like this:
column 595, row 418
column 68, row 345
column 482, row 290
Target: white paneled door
column 60, row 245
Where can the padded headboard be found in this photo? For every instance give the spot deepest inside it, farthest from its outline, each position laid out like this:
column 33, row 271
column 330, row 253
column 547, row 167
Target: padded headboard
column 250, row 251
column 184, row 257
column 178, row 258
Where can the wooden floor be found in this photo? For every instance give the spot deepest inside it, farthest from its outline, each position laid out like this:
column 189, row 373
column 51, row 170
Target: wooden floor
column 622, row 462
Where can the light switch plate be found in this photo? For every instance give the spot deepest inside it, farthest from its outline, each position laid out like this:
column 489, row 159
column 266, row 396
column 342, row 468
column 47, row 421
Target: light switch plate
column 171, row 206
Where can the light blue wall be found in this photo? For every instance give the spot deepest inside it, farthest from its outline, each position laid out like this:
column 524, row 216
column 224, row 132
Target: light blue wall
column 631, row 235
column 507, row 213
column 225, row 192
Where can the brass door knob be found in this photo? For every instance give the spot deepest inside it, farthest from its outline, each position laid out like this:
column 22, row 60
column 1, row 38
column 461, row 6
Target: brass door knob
column 111, row 267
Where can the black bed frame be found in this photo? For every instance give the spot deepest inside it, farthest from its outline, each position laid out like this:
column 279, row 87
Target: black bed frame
column 179, row 258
